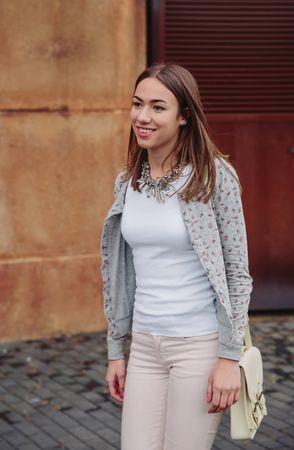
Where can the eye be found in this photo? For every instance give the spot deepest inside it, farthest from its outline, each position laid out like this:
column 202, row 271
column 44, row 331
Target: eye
column 158, row 108
column 136, row 104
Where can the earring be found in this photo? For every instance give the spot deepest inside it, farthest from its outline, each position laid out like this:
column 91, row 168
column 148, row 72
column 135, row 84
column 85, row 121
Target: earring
column 183, row 122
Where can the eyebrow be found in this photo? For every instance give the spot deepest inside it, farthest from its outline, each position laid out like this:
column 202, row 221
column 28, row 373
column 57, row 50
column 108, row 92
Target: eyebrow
column 151, row 101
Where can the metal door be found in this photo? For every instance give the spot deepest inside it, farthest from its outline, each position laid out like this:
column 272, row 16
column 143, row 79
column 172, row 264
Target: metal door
column 242, row 55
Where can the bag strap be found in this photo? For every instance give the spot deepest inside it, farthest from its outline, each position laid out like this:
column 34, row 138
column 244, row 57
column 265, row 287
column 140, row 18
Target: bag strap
column 247, row 336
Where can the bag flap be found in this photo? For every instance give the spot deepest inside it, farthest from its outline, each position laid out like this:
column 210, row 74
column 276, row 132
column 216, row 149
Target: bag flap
column 251, row 363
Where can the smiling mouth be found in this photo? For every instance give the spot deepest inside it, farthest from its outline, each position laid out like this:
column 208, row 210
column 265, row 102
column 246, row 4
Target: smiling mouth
column 145, row 131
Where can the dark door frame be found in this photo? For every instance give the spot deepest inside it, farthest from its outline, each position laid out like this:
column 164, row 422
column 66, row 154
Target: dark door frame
column 155, row 30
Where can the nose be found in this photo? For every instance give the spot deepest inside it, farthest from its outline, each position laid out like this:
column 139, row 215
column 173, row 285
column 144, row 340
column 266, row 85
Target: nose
column 144, row 115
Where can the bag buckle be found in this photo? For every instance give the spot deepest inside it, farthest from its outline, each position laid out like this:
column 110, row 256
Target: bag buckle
column 260, row 403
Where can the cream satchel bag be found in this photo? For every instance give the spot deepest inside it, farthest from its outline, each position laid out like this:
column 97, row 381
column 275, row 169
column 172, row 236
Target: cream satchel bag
column 249, row 411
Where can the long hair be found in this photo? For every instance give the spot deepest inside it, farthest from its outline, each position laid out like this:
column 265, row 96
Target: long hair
column 194, row 144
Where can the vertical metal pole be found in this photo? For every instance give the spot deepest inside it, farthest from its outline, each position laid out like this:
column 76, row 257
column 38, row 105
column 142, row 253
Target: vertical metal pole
column 155, row 30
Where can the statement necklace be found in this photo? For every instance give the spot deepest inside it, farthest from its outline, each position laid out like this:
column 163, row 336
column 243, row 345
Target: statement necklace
column 159, row 187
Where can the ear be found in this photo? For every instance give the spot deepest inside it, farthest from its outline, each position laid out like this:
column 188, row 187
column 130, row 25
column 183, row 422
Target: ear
column 184, row 116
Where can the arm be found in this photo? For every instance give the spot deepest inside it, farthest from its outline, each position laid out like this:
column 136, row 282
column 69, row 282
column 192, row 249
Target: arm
column 232, row 231
column 115, row 345
column 224, row 382
column 116, row 370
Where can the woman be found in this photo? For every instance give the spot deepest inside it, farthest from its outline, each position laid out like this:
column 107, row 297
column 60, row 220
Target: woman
column 175, row 272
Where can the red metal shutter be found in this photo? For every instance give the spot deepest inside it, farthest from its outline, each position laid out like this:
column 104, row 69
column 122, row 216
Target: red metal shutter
column 241, row 52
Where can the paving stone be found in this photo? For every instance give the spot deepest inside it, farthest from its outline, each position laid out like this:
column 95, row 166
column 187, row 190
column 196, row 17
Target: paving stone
column 9, row 398
column 116, row 445
column 65, row 421
column 277, row 424
column 44, row 441
column 15, row 438
column 5, row 427
column 104, row 447
column 92, row 397
column 76, row 387
column 29, row 447
column 83, row 433
column 76, row 399
column 24, row 409
column 52, row 385
column 82, row 380
column 7, row 382
column 52, row 429
column 92, row 423
column 290, row 430
column 63, row 379
column 282, row 397
column 112, row 407
column 256, row 446
column 70, row 442
column 109, row 435
column 4, row 445
column 38, row 418
column 113, row 422
column 76, row 413
column 26, row 428
column 77, row 446
column 287, row 441
column 227, row 445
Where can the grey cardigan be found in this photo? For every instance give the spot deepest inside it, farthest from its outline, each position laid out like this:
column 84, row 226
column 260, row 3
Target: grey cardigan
column 218, row 235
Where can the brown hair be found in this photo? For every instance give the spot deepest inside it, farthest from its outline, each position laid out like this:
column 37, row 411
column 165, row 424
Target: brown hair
column 194, row 144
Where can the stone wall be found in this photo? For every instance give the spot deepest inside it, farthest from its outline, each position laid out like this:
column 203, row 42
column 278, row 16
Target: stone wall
column 67, row 69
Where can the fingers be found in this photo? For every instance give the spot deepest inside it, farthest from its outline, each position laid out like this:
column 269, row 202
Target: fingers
column 223, row 399
column 223, row 402
column 113, row 389
column 209, row 390
column 121, row 385
column 115, row 377
column 231, row 398
column 215, row 401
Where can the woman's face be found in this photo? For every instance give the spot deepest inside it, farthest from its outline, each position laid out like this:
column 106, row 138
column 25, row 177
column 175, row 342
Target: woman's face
column 155, row 115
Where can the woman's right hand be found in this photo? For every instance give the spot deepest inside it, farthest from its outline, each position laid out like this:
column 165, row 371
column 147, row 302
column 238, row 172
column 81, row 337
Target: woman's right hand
column 115, row 377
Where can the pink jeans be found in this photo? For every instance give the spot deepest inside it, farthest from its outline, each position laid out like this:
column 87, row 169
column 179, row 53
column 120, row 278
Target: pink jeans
column 164, row 406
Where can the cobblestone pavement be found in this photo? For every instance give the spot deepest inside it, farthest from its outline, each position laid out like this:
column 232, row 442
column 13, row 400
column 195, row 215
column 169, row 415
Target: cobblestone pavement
column 53, row 394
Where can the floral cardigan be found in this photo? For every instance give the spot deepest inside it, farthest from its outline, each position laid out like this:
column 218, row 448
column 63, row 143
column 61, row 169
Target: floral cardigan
column 218, row 235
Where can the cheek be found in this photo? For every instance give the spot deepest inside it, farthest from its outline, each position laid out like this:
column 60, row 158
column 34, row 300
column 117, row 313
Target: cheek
column 171, row 126
column 133, row 115
column 168, row 121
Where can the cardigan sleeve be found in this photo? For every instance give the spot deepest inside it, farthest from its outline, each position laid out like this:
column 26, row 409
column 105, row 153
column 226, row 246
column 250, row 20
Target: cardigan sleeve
column 232, row 230
column 115, row 347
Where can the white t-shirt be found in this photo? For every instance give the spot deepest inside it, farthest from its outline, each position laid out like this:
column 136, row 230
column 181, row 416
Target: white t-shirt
column 174, row 296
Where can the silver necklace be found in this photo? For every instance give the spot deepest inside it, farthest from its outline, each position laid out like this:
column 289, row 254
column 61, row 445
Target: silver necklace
column 159, row 187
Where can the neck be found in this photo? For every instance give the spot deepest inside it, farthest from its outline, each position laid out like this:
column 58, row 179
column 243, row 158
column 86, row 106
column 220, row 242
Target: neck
column 155, row 160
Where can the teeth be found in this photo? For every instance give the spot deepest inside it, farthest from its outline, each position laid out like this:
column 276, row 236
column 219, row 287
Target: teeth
column 143, row 130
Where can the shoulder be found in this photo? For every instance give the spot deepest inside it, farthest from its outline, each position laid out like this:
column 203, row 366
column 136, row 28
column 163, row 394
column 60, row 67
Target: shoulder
column 119, row 180
column 226, row 175
column 224, row 167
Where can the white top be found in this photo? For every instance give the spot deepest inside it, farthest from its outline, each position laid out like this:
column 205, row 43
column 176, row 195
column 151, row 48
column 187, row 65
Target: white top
column 174, row 296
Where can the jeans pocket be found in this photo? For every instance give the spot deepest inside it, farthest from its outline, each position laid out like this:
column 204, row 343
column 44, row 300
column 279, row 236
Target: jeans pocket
column 201, row 338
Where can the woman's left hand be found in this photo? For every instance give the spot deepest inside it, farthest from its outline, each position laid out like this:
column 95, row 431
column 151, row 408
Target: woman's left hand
column 224, row 385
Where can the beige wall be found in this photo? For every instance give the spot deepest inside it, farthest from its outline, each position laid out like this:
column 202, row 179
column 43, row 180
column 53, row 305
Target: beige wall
column 67, row 69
